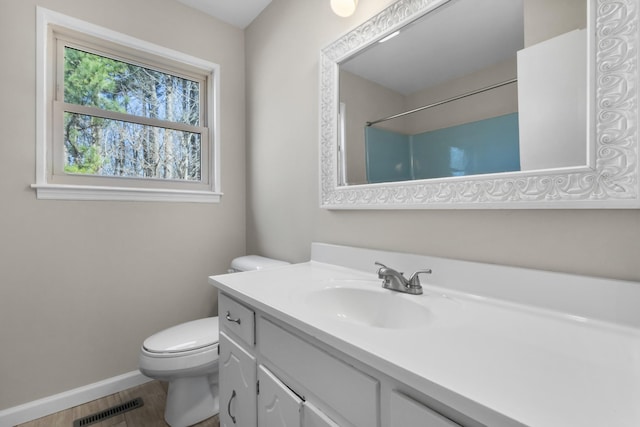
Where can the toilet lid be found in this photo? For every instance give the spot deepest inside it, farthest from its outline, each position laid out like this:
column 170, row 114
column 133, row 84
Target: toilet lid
column 184, row 337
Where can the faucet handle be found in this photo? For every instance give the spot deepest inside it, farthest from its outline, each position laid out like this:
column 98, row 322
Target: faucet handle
column 414, row 281
column 384, row 269
column 382, row 266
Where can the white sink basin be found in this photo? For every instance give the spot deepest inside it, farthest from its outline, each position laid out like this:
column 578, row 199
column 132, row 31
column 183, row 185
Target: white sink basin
column 379, row 308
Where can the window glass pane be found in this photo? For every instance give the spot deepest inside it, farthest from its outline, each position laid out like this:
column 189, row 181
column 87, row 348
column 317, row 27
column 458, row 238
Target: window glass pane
column 106, row 83
column 105, row 147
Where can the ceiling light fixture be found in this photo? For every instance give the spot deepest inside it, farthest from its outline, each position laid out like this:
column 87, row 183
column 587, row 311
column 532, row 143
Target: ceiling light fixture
column 344, row 8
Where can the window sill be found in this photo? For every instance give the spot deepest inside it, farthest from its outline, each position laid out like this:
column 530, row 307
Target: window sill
column 83, row 192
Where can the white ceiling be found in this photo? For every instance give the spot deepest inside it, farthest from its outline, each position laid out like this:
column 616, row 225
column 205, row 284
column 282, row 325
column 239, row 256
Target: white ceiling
column 239, row 13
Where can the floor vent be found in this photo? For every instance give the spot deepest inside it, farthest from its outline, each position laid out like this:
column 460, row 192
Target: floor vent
column 108, row 413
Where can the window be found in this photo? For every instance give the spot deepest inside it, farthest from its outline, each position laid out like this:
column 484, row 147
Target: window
column 122, row 119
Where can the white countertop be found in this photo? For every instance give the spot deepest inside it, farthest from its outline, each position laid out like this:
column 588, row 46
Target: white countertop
column 493, row 360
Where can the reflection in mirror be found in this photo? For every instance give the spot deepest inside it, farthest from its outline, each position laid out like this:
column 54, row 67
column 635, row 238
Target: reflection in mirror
column 470, row 88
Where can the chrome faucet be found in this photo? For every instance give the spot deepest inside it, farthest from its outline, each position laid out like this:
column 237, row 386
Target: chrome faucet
column 394, row 280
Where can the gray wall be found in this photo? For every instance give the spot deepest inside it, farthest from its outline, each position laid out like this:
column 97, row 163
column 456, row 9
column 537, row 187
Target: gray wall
column 365, row 101
column 545, row 19
column 282, row 51
column 83, row 283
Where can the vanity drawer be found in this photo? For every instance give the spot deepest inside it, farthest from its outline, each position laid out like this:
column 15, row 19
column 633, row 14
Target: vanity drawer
column 351, row 393
column 237, row 319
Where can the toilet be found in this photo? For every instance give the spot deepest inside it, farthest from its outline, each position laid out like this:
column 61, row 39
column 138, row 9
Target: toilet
column 186, row 356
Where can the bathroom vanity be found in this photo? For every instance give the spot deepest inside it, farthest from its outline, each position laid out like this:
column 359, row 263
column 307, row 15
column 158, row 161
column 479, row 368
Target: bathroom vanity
column 322, row 344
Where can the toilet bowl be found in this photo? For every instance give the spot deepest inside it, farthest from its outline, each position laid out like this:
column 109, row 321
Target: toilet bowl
column 186, row 356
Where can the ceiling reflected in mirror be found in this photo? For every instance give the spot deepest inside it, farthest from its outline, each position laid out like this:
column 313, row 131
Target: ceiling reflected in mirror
column 454, row 40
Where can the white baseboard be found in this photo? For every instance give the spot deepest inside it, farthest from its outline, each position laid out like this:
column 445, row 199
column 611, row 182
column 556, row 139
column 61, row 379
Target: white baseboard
column 68, row 399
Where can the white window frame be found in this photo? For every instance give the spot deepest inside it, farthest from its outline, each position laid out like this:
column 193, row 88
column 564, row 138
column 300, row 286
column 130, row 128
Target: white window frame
column 50, row 184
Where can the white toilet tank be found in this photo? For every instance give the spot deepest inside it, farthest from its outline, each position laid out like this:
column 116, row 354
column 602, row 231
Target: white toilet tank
column 254, row 262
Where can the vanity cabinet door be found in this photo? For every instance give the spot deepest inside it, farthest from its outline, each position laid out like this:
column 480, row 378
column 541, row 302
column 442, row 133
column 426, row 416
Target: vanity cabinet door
column 313, row 417
column 352, row 394
column 237, row 376
column 278, row 406
column 406, row 412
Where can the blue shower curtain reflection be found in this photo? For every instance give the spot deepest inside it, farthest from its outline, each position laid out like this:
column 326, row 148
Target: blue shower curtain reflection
column 481, row 147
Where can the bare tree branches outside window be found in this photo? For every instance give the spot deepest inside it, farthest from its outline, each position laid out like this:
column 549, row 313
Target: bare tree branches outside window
column 151, row 133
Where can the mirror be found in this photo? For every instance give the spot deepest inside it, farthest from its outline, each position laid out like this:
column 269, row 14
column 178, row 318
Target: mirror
column 408, row 116
column 493, row 104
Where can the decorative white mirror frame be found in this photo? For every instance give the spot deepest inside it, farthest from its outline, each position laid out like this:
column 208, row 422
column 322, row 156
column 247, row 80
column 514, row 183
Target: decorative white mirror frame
column 610, row 180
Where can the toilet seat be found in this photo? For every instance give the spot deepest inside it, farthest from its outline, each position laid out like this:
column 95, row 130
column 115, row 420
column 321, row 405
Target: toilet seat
column 187, row 349
column 185, row 338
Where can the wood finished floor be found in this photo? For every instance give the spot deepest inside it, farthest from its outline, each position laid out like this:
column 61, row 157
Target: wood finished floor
column 151, row 414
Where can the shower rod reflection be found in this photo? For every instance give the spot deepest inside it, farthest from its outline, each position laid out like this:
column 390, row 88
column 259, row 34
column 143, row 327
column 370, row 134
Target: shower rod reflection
column 435, row 104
